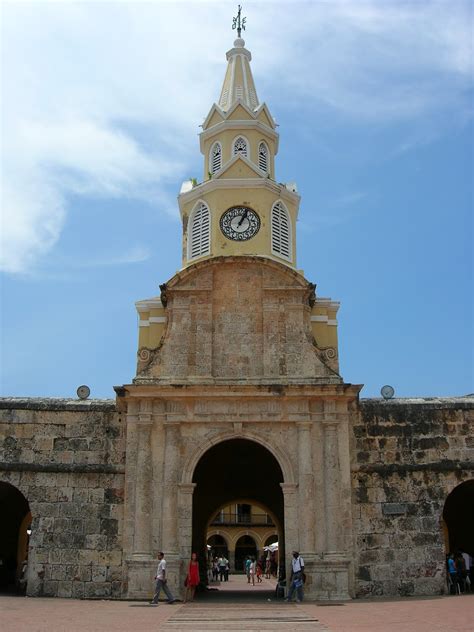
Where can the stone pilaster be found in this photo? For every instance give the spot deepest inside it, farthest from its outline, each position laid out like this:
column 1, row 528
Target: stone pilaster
column 331, row 477
column 185, row 503
column 143, row 498
column 305, row 512
column 291, row 503
column 170, row 489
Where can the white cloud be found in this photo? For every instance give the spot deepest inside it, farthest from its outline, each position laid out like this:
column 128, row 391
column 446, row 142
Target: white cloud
column 373, row 60
column 104, row 99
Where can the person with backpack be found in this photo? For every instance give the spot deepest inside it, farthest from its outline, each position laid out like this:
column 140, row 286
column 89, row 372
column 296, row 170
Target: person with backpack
column 297, row 578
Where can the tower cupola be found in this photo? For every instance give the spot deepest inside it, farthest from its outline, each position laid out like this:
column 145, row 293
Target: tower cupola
column 239, row 208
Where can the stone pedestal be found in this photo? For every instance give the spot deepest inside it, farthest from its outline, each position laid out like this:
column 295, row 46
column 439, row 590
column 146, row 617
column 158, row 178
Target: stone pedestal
column 141, row 573
column 331, row 578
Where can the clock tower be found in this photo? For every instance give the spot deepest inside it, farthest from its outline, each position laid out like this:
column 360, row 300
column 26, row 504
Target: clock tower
column 239, row 208
column 237, row 364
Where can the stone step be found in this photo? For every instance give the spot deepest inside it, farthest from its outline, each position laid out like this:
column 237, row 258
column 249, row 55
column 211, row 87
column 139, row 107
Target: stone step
column 244, row 618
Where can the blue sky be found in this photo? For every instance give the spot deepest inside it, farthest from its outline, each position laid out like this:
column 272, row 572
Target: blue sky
column 102, row 106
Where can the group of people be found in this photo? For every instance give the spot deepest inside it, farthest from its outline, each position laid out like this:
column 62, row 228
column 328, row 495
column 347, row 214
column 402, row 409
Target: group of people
column 219, row 569
column 460, row 566
column 253, row 568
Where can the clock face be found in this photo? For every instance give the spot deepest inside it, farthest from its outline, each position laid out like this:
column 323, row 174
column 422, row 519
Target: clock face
column 83, row 392
column 387, row 391
column 240, row 223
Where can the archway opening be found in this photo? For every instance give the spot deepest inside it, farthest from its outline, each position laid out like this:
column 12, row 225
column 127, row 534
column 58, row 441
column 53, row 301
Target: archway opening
column 458, row 516
column 218, row 546
column 271, row 540
column 243, row 474
column 245, row 547
column 14, row 538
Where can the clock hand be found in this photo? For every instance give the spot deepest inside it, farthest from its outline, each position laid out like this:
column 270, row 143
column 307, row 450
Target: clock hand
column 242, row 218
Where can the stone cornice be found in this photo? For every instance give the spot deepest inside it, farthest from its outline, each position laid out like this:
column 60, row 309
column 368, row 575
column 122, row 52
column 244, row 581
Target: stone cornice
column 243, row 124
column 59, row 404
column 244, row 184
column 437, row 403
column 228, row 390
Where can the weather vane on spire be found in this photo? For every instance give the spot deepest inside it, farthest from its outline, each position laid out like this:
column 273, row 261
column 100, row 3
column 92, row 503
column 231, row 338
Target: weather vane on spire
column 238, row 23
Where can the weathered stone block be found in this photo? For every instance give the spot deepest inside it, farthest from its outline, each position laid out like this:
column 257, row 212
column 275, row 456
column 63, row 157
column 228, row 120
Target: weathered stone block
column 99, row 573
column 88, row 557
column 96, row 542
column 96, row 590
column 50, row 588
column 85, row 573
column 77, row 590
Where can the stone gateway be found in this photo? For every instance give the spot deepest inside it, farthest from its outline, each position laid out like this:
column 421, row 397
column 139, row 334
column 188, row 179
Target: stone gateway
column 237, row 363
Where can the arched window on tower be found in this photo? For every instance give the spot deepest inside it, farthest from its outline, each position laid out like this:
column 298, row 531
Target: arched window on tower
column 199, row 235
column 263, row 157
column 240, row 146
column 215, row 160
column 281, row 231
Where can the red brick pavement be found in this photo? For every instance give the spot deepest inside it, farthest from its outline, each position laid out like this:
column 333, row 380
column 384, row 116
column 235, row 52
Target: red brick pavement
column 439, row 614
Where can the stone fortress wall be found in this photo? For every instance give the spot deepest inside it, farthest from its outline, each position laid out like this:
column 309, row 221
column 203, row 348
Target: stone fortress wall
column 407, row 457
column 67, row 458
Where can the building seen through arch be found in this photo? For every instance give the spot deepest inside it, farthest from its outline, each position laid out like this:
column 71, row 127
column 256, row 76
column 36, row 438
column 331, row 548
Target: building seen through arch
column 237, row 522
column 237, row 409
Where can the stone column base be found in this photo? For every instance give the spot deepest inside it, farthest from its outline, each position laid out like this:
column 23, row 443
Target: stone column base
column 327, row 577
column 141, row 577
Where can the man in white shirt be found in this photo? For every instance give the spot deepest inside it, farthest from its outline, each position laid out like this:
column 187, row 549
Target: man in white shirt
column 297, row 578
column 161, row 581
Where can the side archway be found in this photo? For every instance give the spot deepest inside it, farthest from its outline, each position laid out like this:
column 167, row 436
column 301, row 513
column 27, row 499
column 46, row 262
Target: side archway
column 458, row 517
column 14, row 538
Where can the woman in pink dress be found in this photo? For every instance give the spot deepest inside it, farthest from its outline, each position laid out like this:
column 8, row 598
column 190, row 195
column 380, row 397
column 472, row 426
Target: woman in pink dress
column 192, row 578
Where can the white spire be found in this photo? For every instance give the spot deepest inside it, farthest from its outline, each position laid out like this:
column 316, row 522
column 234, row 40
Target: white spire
column 238, row 80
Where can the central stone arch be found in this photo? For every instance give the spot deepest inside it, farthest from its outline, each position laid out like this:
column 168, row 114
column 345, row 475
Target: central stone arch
column 281, row 457
column 233, row 467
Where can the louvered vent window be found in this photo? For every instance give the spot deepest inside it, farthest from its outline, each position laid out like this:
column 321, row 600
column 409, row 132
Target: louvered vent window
column 281, row 234
column 263, row 157
column 239, row 92
column 253, row 97
column 240, row 146
column 224, row 97
column 199, row 234
column 216, row 157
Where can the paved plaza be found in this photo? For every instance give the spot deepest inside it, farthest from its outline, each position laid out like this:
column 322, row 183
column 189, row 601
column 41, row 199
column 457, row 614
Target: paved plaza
column 233, row 607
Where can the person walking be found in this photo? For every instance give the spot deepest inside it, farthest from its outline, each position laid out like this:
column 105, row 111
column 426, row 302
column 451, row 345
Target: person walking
column 161, row 581
column 296, row 578
column 267, row 566
column 221, row 564
column 247, row 564
column 192, row 578
column 227, row 569
column 252, row 570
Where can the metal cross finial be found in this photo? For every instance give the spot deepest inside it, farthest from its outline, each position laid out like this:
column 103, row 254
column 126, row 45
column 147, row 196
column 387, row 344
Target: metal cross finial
column 238, row 23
